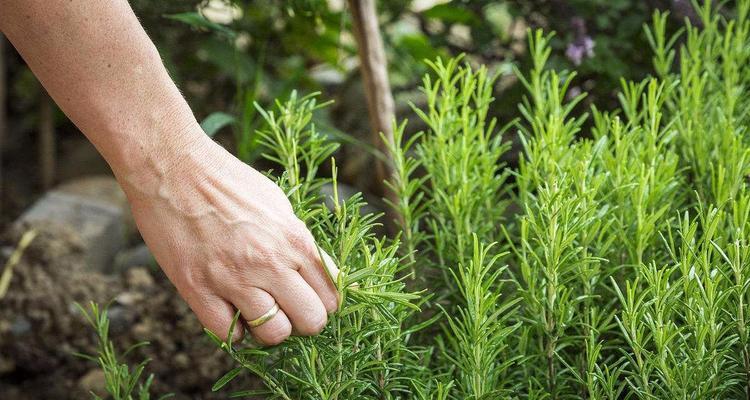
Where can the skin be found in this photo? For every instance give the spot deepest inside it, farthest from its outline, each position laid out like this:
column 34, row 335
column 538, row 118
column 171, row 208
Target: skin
column 223, row 233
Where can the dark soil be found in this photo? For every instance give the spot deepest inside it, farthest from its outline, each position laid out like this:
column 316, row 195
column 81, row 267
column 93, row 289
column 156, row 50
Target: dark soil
column 40, row 327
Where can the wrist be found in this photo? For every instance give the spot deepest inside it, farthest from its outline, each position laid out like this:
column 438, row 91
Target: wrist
column 149, row 160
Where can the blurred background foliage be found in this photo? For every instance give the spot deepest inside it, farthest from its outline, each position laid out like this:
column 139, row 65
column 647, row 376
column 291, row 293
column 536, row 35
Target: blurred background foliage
column 226, row 55
column 245, row 51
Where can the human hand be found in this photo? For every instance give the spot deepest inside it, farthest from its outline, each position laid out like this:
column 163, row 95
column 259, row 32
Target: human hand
column 228, row 239
column 223, row 233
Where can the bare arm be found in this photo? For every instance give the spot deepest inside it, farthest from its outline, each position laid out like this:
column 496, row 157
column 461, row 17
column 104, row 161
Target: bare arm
column 223, row 233
column 103, row 71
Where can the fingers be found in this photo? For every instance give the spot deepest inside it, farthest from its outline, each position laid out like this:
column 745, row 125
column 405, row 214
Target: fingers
column 300, row 303
column 318, row 273
column 319, row 276
column 216, row 315
column 254, row 303
column 330, row 265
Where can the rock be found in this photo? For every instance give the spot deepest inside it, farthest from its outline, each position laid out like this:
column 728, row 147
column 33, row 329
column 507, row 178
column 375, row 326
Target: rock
column 94, row 381
column 20, row 326
column 142, row 330
column 137, row 256
column 103, row 189
column 11, row 391
column 6, row 251
column 139, row 277
column 181, row 360
column 7, row 365
column 92, row 210
column 128, row 299
column 39, row 323
column 120, row 318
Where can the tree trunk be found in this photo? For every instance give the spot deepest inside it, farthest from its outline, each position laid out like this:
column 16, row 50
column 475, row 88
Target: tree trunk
column 374, row 67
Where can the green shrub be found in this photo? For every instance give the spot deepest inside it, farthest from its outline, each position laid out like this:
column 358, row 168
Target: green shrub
column 612, row 263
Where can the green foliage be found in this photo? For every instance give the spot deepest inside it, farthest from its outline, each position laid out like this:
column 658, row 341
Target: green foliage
column 197, row 20
column 121, row 381
column 366, row 351
column 617, row 268
column 613, row 263
column 464, row 201
column 273, row 46
column 215, row 121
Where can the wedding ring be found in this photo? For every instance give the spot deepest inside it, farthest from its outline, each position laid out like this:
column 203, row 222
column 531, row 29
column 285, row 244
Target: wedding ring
column 265, row 317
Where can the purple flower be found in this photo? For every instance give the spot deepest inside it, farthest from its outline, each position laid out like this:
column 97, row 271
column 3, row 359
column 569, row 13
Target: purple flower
column 580, row 49
column 582, row 45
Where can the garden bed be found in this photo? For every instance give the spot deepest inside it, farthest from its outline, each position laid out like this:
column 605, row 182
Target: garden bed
column 40, row 327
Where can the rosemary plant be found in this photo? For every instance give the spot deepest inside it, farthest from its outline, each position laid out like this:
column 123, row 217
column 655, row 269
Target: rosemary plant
column 121, row 381
column 624, row 273
column 366, row 351
column 614, row 264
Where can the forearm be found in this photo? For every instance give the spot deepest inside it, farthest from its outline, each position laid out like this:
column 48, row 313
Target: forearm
column 224, row 233
column 96, row 61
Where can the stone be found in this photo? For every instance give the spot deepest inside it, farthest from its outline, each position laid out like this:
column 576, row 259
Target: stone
column 142, row 330
column 327, row 76
column 102, row 189
column 7, row 365
column 128, row 299
column 139, row 277
column 181, row 360
column 93, row 210
column 94, row 381
column 20, row 326
column 121, row 318
column 6, row 251
column 138, row 256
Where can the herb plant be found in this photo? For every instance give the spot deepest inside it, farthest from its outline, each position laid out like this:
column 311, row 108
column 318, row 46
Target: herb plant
column 121, row 381
column 612, row 263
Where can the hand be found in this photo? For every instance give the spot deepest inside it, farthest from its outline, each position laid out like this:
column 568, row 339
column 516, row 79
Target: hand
column 227, row 237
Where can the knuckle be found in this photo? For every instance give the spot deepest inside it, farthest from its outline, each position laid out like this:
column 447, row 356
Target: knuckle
column 264, row 255
column 220, row 329
column 277, row 335
column 331, row 303
column 300, row 239
column 276, row 190
column 195, row 282
column 315, row 325
column 273, row 191
column 258, row 251
column 240, row 286
column 298, row 233
column 217, row 274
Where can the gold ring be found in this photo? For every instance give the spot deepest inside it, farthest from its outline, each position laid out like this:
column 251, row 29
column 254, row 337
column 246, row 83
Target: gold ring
column 265, row 317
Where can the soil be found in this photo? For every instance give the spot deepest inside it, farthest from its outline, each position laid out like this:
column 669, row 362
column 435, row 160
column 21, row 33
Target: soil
column 40, row 327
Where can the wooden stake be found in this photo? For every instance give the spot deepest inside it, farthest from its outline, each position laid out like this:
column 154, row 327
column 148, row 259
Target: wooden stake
column 380, row 105
column 3, row 124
